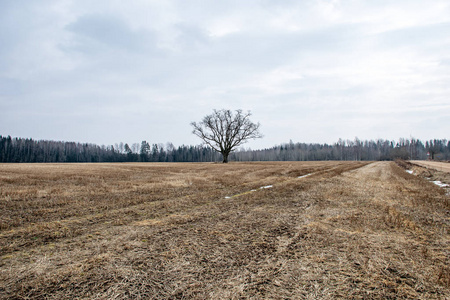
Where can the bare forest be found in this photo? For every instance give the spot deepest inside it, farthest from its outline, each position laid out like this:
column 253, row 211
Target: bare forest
column 29, row 150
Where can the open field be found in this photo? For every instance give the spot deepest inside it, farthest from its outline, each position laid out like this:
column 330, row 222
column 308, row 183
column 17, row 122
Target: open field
column 441, row 166
column 353, row 230
column 437, row 172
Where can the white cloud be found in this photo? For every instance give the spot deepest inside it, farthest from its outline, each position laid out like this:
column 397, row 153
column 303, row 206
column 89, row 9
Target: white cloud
column 316, row 70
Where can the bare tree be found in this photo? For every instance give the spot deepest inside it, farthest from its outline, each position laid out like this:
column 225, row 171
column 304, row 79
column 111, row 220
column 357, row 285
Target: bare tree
column 224, row 131
column 136, row 147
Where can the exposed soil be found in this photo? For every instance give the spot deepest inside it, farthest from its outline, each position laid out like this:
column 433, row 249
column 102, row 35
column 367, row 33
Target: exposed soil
column 429, row 170
column 350, row 230
column 439, row 166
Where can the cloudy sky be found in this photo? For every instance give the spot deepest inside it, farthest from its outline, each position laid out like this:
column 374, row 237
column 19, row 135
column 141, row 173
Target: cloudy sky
column 309, row 71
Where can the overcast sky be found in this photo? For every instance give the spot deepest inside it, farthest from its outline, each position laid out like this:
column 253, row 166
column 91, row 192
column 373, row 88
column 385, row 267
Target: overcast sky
column 110, row 71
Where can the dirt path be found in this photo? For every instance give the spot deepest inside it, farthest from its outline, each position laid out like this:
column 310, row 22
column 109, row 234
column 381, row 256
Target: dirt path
column 440, row 166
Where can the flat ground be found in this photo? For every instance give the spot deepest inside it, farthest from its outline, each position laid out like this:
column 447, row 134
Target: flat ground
column 180, row 231
column 441, row 166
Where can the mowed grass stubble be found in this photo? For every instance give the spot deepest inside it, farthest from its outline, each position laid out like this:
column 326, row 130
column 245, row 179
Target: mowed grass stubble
column 167, row 231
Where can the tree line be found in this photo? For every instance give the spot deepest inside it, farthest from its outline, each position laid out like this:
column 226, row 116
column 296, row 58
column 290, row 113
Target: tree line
column 351, row 150
column 21, row 150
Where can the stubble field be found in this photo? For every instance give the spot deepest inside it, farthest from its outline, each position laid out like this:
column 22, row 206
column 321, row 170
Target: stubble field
column 439, row 166
column 352, row 230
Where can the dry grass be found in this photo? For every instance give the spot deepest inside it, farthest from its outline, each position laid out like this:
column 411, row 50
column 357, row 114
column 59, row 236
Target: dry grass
column 437, row 165
column 166, row 231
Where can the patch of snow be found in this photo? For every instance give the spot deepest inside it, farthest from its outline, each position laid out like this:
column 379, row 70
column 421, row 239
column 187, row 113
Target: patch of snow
column 437, row 182
column 227, row 197
column 253, row 190
column 410, row 171
column 266, row 187
column 304, row 175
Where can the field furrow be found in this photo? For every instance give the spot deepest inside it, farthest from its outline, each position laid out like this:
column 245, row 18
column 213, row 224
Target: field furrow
column 194, row 231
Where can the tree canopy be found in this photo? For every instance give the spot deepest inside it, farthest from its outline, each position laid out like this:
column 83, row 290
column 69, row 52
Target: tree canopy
column 224, row 130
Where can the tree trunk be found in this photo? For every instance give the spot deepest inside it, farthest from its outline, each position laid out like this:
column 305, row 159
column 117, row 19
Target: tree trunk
column 225, row 158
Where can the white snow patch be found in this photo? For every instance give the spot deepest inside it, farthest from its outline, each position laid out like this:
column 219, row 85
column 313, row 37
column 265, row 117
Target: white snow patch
column 410, row 171
column 437, row 182
column 303, row 176
column 266, row 187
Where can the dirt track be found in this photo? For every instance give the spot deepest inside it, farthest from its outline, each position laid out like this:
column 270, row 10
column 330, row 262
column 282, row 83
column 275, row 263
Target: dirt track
column 440, row 166
column 348, row 231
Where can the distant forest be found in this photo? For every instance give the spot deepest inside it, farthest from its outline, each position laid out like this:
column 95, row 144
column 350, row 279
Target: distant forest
column 21, row 150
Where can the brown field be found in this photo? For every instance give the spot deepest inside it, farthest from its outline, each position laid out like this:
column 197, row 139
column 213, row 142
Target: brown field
column 440, row 166
column 351, row 230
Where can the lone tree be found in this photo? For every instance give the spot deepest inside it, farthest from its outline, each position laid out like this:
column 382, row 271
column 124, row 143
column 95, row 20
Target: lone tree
column 224, row 131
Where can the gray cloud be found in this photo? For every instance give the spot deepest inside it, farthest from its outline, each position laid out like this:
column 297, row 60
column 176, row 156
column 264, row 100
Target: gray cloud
column 105, row 33
column 309, row 71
